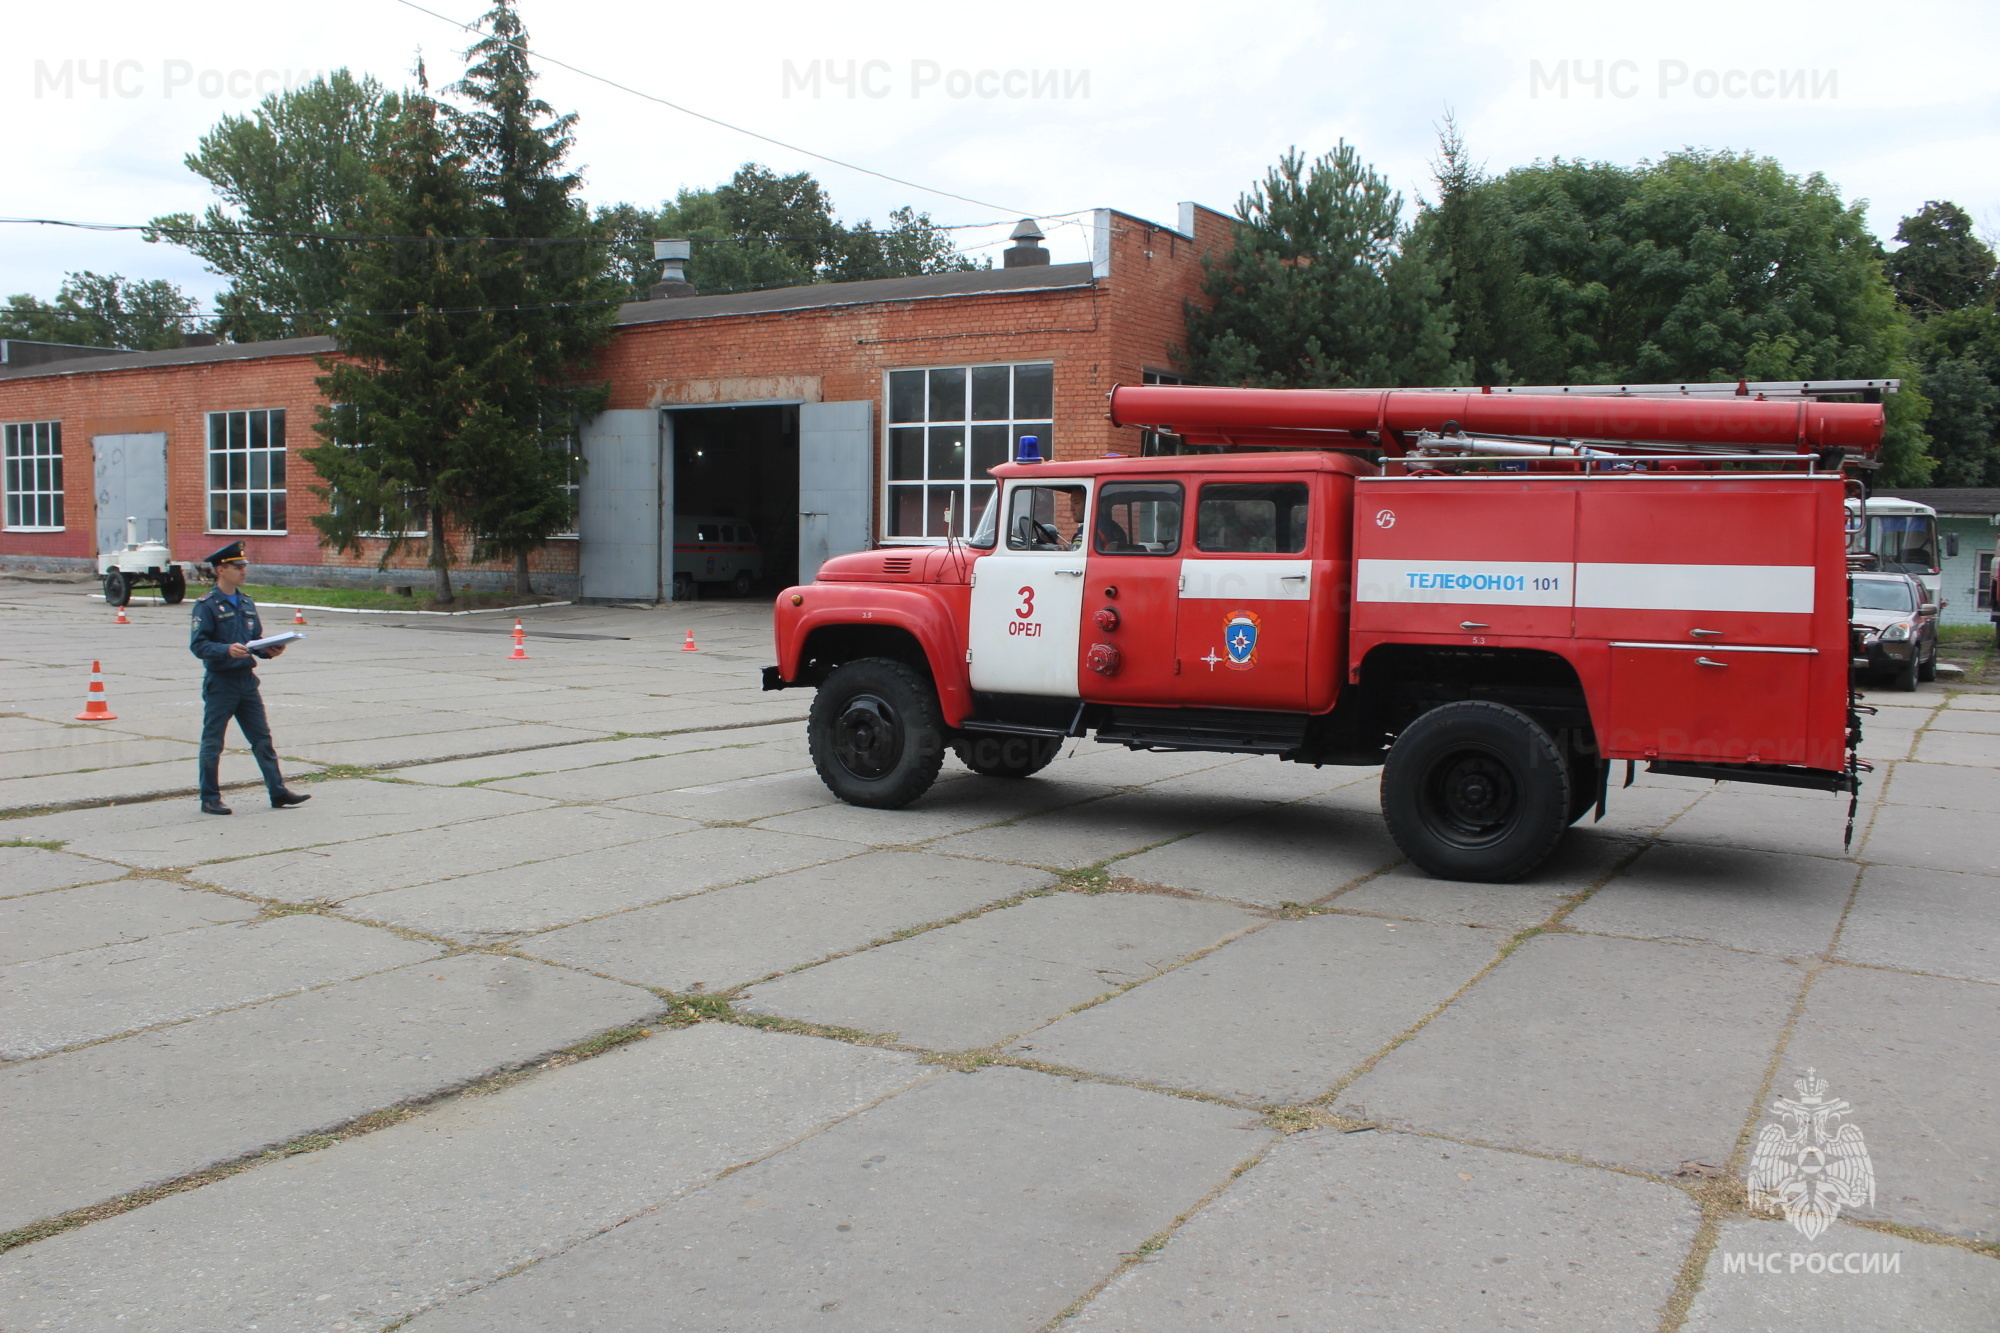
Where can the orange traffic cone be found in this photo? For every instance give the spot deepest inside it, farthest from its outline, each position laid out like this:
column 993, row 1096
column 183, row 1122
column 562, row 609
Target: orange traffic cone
column 95, row 709
column 520, row 653
column 121, row 618
column 689, row 647
column 298, row 615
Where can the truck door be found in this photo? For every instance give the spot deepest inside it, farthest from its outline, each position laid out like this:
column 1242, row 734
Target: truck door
column 1131, row 601
column 1027, row 596
column 1246, row 596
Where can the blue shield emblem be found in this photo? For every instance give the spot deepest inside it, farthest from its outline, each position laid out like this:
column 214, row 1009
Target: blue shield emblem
column 1239, row 639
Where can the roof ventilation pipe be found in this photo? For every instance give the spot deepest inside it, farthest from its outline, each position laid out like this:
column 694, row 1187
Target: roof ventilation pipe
column 673, row 257
column 1026, row 251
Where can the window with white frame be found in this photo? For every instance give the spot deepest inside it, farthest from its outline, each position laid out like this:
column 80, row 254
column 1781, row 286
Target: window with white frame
column 412, row 499
column 1157, row 444
column 246, row 471
column 34, row 480
column 944, row 428
column 572, row 483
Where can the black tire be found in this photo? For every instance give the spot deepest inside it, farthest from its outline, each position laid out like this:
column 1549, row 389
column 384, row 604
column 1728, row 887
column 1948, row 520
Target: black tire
column 741, row 584
column 684, row 588
column 1476, row 791
column 1904, row 678
column 117, row 589
column 1927, row 669
column 173, row 588
column 997, row 756
column 876, row 736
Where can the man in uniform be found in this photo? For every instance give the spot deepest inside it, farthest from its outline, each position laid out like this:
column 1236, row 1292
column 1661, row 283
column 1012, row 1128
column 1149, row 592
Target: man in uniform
column 224, row 621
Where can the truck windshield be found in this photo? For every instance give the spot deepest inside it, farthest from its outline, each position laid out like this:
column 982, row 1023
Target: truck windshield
column 1904, row 543
column 1882, row 595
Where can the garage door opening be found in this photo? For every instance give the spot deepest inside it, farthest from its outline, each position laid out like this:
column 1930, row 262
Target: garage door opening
column 736, row 501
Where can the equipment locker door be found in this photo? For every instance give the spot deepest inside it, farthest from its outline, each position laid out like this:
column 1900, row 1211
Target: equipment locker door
column 1464, row 558
column 1246, row 596
column 1027, row 597
column 1131, row 595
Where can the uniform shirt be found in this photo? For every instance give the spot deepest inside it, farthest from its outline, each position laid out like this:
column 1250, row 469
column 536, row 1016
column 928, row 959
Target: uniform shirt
column 217, row 624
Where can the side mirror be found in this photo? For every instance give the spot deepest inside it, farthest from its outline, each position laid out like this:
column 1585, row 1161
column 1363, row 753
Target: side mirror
column 1927, row 609
column 1951, row 546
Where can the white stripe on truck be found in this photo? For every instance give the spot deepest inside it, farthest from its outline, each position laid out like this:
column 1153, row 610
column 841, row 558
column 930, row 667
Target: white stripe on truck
column 1649, row 587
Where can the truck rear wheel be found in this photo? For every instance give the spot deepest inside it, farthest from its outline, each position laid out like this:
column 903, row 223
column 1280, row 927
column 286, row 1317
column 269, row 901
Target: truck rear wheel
column 1476, row 791
column 876, row 736
column 997, row 756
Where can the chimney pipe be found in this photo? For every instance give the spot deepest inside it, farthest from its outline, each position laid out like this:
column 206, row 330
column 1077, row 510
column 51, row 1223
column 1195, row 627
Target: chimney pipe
column 1026, row 251
column 673, row 257
column 199, row 340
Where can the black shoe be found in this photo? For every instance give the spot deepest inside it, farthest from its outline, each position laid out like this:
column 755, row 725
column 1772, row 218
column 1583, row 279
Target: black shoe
column 285, row 796
column 215, row 807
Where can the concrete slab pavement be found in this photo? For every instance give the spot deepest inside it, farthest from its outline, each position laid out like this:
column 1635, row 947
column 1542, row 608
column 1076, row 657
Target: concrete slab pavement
column 381, row 1227
column 987, row 1200
column 1396, row 1232
column 1584, row 1046
column 1630, row 1054
column 119, row 1116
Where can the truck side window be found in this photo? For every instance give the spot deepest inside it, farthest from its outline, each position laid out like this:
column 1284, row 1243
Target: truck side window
column 1139, row 518
column 1045, row 518
column 1252, row 518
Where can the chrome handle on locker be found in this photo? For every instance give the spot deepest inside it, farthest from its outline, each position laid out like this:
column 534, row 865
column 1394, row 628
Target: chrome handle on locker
column 1473, row 624
column 1709, row 661
column 1705, row 633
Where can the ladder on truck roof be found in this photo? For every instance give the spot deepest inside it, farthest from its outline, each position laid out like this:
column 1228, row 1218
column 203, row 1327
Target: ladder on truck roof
column 1867, row 390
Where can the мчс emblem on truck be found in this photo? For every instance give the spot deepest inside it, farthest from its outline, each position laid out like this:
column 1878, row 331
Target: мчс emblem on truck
column 1527, row 588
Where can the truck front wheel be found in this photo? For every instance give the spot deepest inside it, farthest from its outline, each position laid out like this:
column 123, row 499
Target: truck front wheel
column 1476, row 791
column 876, row 735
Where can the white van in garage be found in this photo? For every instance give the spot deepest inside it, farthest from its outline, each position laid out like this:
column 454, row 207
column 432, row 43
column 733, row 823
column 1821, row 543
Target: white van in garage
column 711, row 549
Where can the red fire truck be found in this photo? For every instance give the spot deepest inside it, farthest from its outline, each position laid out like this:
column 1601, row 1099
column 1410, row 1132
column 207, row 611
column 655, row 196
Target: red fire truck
column 1494, row 595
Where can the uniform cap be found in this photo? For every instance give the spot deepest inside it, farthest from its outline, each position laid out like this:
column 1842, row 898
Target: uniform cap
column 233, row 551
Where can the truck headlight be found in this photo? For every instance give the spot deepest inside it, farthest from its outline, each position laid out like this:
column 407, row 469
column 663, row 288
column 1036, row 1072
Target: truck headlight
column 1897, row 632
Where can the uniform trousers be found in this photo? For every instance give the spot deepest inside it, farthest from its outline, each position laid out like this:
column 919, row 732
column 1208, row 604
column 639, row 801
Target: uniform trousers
column 234, row 694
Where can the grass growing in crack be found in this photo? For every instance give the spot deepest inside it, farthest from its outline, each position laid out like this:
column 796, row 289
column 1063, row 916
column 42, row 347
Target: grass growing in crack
column 962, row 1061
column 337, row 772
column 46, row 844
column 1085, row 879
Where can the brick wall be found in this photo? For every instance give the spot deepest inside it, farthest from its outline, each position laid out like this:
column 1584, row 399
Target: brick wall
column 1097, row 336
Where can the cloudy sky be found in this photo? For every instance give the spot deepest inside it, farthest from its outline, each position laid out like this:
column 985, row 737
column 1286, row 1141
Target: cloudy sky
column 1039, row 108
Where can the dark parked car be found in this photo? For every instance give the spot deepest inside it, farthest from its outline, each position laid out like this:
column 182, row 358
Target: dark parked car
column 1900, row 629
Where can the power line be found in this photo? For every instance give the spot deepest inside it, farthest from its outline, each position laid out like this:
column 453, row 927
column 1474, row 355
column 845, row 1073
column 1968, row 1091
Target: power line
column 698, row 115
column 352, row 238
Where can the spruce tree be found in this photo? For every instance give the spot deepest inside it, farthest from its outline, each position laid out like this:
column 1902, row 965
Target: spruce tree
column 410, row 425
column 553, row 300
column 1318, row 290
column 1504, row 334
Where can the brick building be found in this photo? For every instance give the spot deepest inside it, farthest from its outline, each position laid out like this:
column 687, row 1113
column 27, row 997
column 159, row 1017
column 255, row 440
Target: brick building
column 798, row 423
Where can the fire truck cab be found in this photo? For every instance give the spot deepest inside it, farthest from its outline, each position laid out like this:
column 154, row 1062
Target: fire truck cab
column 1496, row 630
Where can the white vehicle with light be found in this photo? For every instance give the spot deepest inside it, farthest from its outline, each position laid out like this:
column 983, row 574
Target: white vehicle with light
column 143, row 564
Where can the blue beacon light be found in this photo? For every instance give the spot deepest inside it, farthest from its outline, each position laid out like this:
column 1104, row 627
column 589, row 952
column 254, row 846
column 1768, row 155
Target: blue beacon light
column 1028, row 450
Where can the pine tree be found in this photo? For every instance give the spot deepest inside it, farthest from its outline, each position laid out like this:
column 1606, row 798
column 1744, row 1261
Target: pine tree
column 1318, row 289
column 410, row 425
column 554, row 301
